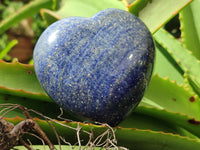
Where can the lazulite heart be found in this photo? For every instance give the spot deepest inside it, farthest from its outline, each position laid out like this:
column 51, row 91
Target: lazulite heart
column 97, row 68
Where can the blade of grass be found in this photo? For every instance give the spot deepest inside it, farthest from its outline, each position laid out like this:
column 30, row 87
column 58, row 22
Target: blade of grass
column 8, row 48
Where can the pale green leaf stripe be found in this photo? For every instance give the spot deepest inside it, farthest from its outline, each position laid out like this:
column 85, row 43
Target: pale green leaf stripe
column 190, row 27
column 182, row 56
column 157, row 12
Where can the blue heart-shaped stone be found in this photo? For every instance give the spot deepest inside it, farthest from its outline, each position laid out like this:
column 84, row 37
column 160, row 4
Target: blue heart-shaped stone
column 97, row 68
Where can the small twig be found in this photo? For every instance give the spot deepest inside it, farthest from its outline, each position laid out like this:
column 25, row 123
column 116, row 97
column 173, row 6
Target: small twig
column 111, row 129
column 78, row 135
column 112, row 144
column 6, row 108
column 37, row 128
column 99, row 138
column 43, row 135
column 66, row 142
column 50, row 119
column 47, row 119
column 57, row 136
column 25, row 144
column 30, row 143
column 19, row 130
column 39, row 139
column 25, row 111
column 90, row 137
column 105, row 140
column 9, row 111
column 61, row 113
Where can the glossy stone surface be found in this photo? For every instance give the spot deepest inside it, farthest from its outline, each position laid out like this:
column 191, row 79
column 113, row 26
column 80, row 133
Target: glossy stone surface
column 97, row 68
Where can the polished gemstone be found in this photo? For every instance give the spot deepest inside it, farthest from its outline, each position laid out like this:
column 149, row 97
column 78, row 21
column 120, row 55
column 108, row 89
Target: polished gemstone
column 97, row 68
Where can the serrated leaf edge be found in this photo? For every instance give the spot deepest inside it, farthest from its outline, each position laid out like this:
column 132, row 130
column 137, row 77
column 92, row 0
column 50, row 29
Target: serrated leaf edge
column 168, row 111
column 185, row 87
column 23, row 92
column 103, row 126
column 16, row 63
column 176, row 58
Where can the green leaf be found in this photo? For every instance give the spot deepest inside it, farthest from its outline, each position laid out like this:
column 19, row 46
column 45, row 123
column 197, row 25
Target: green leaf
column 166, row 67
column 182, row 120
column 173, row 97
column 137, row 6
column 48, row 16
column 155, row 13
column 128, row 137
column 190, row 27
column 80, row 8
column 10, row 45
column 52, row 110
column 146, row 122
column 27, row 11
column 187, row 62
column 49, row 109
column 151, row 140
column 30, row 62
column 20, row 80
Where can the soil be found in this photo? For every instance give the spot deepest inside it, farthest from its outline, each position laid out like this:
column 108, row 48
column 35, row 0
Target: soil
column 23, row 50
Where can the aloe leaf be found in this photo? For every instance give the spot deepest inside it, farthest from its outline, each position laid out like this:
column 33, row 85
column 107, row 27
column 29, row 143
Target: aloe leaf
column 70, row 7
column 151, row 140
column 10, row 45
column 52, row 110
column 128, row 137
column 189, row 123
column 190, row 27
column 49, row 109
column 150, row 11
column 173, row 97
column 137, row 6
column 26, row 11
column 30, row 62
column 187, row 62
column 167, row 68
column 20, row 79
column 48, row 16
column 147, row 122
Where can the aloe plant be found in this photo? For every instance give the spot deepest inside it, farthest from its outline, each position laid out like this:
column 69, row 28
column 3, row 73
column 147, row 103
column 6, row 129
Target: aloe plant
column 169, row 115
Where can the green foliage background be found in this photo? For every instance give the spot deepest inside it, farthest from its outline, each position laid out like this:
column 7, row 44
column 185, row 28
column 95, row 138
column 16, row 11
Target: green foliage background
column 168, row 117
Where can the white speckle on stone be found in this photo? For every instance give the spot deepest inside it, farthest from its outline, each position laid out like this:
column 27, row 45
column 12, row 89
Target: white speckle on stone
column 130, row 57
